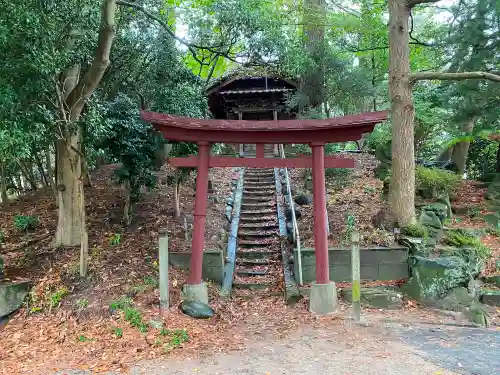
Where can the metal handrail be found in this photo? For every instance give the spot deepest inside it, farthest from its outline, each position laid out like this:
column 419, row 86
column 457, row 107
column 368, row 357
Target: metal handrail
column 295, row 233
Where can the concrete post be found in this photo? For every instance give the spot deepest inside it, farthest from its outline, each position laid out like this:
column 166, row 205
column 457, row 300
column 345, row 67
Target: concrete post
column 163, row 266
column 356, row 277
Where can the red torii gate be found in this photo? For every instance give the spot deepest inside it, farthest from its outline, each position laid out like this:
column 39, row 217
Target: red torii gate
column 313, row 132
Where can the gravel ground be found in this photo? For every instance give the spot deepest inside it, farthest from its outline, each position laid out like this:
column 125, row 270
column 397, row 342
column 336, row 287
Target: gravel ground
column 319, row 351
column 465, row 350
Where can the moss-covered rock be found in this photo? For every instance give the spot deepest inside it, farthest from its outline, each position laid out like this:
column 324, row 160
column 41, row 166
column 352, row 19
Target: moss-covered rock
column 493, row 192
column 12, row 296
column 494, row 280
column 440, row 209
column 432, row 278
column 416, row 246
column 434, row 226
column 477, row 314
column 377, row 298
column 456, row 299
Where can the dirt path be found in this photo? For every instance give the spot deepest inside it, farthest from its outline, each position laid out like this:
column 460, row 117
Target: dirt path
column 339, row 350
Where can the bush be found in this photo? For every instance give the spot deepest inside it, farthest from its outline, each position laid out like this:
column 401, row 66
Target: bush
column 415, row 230
column 439, row 180
column 25, row 223
column 460, row 238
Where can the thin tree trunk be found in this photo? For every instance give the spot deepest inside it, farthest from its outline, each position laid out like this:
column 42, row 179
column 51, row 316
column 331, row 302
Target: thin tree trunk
column 177, row 185
column 445, row 155
column 127, row 210
column 498, row 159
column 461, row 149
column 402, row 115
column 3, row 184
column 28, row 175
column 39, row 165
column 50, row 171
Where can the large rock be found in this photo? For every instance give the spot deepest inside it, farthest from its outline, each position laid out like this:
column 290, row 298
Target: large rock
column 495, row 280
column 12, row 295
column 416, row 246
column 377, row 298
column 456, row 299
column 303, row 199
column 434, row 226
column 196, row 309
column 432, row 278
column 440, row 209
column 493, row 192
column 288, row 213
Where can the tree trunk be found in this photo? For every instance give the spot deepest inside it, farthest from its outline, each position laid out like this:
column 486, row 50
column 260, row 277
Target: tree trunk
column 39, row 165
column 461, row 149
column 402, row 115
column 71, row 214
column 177, row 190
column 497, row 169
column 50, row 171
column 445, row 155
column 3, row 184
column 27, row 173
column 127, row 209
column 72, row 97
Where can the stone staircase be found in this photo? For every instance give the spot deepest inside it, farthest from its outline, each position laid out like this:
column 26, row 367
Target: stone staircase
column 258, row 265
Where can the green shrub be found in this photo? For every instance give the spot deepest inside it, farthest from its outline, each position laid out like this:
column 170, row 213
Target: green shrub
column 134, row 317
column 57, row 296
column 2, row 237
column 440, row 180
column 121, row 303
column 25, row 223
column 460, row 238
column 118, row 332
column 415, row 230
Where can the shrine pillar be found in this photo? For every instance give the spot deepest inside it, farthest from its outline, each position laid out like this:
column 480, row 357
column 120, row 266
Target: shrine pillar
column 195, row 289
column 323, row 298
column 259, row 150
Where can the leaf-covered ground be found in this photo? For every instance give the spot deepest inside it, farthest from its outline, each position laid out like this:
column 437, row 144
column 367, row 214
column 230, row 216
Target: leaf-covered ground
column 68, row 322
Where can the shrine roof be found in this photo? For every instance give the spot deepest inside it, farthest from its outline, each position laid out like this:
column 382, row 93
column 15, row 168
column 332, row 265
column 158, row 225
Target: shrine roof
column 338, row 129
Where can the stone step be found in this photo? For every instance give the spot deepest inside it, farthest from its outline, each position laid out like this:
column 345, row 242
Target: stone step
column 258, row 242
column 248, row 272
column 252, row 286
column 253, row 262
column 263, row 212
column 259, row 185
column 253, row 218
column 256, row 199
column 257, row 225
column 263, row 253
column 259, row 205
column 254, row 232
column 259, row 193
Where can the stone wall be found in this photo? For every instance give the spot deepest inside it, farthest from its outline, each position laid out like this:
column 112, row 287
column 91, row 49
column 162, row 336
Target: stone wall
column 213, row 263
column 377, row 263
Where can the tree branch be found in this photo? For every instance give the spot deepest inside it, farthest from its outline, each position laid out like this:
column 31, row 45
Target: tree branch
column 84, row 89
column 411, row 3
column 453, row 76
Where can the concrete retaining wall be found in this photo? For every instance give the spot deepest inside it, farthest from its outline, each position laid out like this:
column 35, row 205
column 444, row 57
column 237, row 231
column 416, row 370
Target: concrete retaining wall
column 213, row 263
column 377, row 263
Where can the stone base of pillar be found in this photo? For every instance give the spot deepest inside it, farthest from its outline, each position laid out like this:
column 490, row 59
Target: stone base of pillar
column 196, row 293
column 323, row 298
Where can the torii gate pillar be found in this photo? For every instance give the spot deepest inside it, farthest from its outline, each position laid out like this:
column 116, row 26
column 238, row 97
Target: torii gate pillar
column 195, row 288
column 323, row 298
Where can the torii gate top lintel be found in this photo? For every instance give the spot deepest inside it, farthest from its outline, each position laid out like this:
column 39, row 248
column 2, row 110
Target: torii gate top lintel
column 338, row 129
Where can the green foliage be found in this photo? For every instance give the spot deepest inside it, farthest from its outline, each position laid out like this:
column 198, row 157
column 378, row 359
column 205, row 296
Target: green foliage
column 151, row 281
column 463, row 239
column 82, row 338
column 115, row 239
column 121, row 303
column 440, row 180
column 176, row 337
column 2, row 236
column 118, row 332
column 82, row 303
column 25, row 223
column 350, row 227
column 56, row 297
column 415, row 230
column 134, row 317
